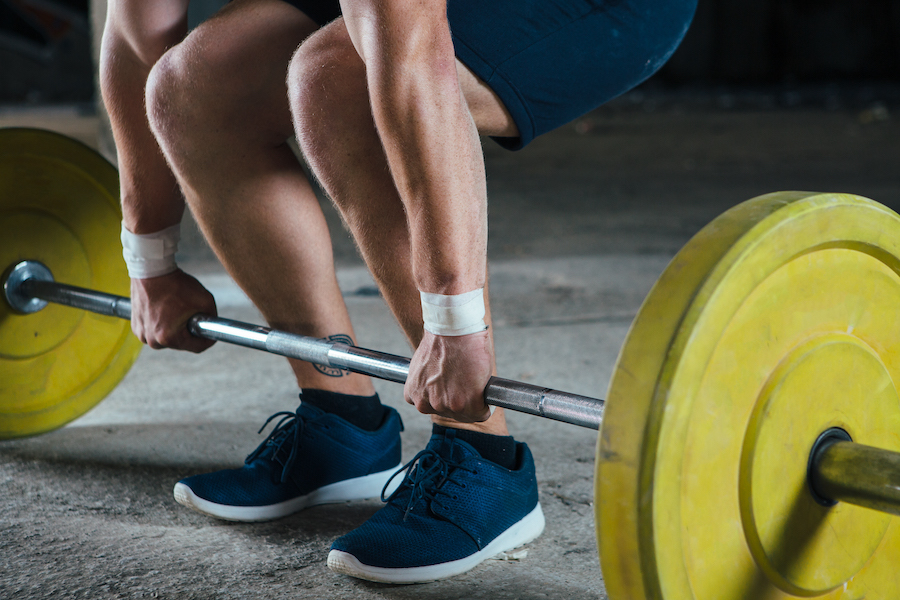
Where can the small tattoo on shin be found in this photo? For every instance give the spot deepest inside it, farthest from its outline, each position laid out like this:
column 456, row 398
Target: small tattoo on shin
column 334, row 371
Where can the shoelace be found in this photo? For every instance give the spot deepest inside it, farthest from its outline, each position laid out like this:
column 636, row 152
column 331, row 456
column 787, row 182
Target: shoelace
column 425, row 474
column 278, row 437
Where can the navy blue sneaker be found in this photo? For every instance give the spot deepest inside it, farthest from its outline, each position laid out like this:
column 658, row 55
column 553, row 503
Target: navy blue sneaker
column 311, row 457
column 453, row 510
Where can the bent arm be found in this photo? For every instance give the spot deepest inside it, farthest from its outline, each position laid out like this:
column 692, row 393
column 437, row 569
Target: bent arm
column 136, row 35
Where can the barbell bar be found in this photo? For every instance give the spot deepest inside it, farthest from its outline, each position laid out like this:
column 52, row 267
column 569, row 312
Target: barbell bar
column 752, row 422
column 29, row 286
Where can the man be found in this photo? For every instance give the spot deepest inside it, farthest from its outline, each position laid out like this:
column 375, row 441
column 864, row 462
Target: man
column 386, row 99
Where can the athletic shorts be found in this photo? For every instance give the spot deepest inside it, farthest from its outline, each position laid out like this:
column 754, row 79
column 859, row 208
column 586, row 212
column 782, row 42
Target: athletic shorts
column 551, row 61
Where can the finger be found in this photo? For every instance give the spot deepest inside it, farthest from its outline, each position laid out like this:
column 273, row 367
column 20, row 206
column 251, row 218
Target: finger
column 199, row 345
column 486, row 414
column 408, row 395
column 470, row 414
column 480, row 415
column 424, row 407
column 458, row 417
column 137, row 329
column 191, row 343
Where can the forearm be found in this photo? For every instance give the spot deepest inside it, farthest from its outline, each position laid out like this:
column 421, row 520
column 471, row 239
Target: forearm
column 132, row 43
column 434, row 154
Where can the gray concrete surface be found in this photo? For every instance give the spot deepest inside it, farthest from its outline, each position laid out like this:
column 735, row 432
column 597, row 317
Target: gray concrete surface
column 582, row 223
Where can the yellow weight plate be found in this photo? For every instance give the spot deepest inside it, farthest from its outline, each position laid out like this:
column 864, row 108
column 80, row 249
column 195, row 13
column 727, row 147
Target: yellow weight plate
column 775, row 323
column 59, row 205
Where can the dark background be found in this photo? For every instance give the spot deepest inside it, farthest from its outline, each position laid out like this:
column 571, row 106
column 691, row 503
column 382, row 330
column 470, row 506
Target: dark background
column 789, row 41
column 45, row 49
column 45, row 46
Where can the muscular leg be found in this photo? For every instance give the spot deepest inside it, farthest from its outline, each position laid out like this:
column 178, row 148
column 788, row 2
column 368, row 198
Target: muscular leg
column 335, row 129
column 218, row 105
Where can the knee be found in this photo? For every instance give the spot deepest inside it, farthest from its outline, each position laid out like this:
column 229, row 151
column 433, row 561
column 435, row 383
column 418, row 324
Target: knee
column 325, row 76
column 169, row 102
column 199, row 88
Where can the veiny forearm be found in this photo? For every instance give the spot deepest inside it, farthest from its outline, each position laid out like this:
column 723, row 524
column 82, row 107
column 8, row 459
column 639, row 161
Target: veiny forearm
column 434, row 154
column 135, row 37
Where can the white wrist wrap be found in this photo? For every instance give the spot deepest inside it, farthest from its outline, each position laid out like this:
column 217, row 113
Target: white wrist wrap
column 152, row 254
column 460, row 314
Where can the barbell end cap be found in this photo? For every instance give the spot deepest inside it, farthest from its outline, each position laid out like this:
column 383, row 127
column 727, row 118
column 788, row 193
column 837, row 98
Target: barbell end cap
column 13, row 280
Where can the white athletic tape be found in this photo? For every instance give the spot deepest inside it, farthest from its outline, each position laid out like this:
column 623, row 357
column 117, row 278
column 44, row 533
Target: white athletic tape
column 152, row 254
column 459, row 314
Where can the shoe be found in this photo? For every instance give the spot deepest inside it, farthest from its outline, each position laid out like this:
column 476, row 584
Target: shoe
column 452, row 511
column 311, row 457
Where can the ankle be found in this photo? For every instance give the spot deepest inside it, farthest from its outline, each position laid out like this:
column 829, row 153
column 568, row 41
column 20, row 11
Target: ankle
column 365, row 412
column 499, row 449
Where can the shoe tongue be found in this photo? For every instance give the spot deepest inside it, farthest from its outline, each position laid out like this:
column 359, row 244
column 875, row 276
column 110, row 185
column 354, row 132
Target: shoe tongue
column 446, row 449
column 453, row 448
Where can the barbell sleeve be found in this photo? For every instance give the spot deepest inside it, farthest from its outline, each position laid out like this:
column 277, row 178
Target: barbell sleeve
column 858, row 474
column 76, row 297
column 582, row 411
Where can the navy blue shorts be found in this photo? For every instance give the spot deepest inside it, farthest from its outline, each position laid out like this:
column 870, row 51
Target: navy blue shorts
column 551, row 61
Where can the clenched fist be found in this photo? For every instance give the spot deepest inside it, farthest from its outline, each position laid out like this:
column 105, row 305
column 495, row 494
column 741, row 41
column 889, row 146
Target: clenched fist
column 161, row 307
column 448, row 375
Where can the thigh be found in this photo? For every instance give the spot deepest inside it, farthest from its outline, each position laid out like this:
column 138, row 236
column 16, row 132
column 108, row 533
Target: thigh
column 550, row 61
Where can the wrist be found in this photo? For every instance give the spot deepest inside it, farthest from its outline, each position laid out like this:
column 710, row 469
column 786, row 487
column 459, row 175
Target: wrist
column 152, row 254
column 453, row 315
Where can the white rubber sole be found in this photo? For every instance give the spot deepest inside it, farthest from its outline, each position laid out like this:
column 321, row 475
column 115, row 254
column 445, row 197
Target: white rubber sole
column 360, row 488
column 519, row 534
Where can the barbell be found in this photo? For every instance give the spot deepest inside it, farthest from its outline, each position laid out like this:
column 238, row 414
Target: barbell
column 29, row 286
column 750, row 441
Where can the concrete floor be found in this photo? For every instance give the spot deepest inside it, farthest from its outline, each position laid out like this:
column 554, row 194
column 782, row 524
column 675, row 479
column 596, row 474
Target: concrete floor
column 582, row 223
